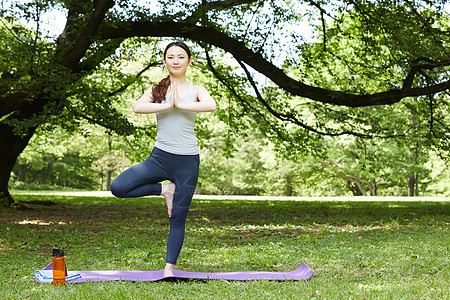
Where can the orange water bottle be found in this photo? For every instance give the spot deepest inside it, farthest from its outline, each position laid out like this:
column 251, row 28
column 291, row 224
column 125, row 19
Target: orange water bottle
column 59, row 267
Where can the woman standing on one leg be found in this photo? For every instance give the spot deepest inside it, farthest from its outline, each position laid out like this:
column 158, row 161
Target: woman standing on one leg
column 175, row 156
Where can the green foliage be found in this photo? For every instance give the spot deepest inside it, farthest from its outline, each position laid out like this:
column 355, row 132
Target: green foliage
column 440, row 185
column 242, row 174
column 376, row 167
column 259, row 131
column 23, row 55
column 361, row 56
column 55, row 160
column 236, row 159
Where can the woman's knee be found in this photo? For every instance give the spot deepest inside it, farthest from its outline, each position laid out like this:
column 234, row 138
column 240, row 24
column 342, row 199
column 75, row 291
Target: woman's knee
column 117, row 189
column 179, row 215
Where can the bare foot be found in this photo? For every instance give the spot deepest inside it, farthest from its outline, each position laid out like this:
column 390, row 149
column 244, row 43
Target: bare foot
column 168, row 270
column 167, row 191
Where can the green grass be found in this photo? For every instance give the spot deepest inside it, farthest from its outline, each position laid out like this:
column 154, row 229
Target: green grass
column 371, row 250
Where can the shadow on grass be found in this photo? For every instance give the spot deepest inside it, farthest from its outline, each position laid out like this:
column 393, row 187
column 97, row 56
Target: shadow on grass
column 391, row 250
column 98, row 209
column 107, row 232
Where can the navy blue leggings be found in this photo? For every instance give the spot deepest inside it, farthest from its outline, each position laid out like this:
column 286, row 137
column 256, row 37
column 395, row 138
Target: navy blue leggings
column 144, row 179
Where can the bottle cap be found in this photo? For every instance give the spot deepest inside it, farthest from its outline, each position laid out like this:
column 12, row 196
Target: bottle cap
column 57, row 252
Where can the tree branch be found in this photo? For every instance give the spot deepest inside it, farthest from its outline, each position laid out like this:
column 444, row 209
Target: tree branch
column 94, row 59
column 429, row 26
column 207, row 6
column 281, row 116
column 291, row 118
column 12, row 102
column 322, row 17
column 224, row 82
column 238, row 49
column 278, row 115
column 244, row 103
column 124, row 87
column 83, row 41
column 407, row 83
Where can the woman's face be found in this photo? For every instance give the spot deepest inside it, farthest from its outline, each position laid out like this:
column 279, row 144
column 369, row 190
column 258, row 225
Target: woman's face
column 177, row 60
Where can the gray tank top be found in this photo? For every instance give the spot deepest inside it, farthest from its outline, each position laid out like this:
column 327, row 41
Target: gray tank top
column 175, row 128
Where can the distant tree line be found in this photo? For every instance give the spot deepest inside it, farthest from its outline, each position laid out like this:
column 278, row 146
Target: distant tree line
column 358, row 101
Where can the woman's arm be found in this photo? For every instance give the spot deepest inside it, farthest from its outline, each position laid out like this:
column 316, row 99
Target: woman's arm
column 147, row 105
column 205, row 102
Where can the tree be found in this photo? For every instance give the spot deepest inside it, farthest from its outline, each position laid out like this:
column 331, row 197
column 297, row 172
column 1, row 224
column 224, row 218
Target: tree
column 109, row 161
column 56, row 159
column 52, row 80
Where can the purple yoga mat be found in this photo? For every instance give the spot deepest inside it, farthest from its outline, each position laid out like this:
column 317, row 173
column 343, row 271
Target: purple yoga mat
column 302, row 273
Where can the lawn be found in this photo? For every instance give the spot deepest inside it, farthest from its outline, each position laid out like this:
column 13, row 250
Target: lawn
column 358, row 249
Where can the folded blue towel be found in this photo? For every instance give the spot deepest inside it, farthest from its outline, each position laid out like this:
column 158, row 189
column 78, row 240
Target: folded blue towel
column 47, row 275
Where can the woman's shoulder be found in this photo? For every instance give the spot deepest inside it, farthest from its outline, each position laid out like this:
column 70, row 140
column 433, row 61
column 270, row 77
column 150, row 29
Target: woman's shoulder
column 198, row 89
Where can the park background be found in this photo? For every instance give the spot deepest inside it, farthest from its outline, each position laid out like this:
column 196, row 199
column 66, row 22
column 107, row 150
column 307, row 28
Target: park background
column 324, row 100
column 244, row 149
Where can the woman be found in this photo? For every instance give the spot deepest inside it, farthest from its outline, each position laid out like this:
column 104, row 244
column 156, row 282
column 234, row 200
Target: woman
column 175, row 156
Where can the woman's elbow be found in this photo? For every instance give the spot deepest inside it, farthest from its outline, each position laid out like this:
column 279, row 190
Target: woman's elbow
column 213, row 107
column 137, row 109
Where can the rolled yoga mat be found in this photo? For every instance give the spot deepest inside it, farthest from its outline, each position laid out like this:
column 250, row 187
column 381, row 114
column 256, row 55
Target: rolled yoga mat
column 302, row 273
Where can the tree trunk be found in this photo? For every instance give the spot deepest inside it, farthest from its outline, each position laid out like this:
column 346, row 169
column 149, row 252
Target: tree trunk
column 411, row 185
column 11, row 145
column 289, row 187
column 417, row 185
column 108, row 180
column 373, row 187
column 109, row 171
column 356, row 188
column 23, row 173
